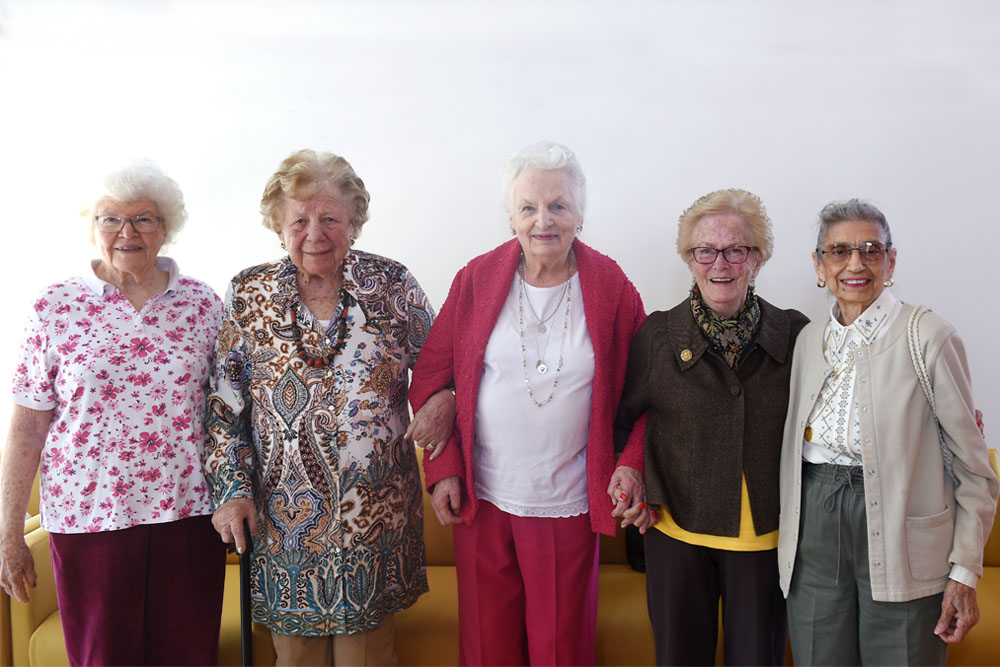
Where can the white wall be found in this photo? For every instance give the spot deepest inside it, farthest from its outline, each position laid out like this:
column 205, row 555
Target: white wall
column 801, row 102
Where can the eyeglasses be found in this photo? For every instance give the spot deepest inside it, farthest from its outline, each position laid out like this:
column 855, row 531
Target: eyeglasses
column 736, row 254
column 143, row 222
column 868, row 253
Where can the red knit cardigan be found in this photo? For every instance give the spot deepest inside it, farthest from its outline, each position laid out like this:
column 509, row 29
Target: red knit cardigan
column 454, row 349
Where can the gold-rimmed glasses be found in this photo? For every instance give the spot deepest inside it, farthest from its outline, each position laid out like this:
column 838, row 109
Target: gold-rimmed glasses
column 869, row 252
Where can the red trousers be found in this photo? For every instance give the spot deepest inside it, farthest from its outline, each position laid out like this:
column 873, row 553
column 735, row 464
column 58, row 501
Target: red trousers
column 527, row 589
column 146, row 595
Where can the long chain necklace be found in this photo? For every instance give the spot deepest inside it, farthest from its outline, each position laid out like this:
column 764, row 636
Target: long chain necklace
column 327, row 359
column 540, row 365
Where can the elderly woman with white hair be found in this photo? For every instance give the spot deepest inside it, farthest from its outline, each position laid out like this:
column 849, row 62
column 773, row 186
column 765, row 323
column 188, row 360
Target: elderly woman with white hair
column 308, row 423
column 534, row 338
column 110, row 398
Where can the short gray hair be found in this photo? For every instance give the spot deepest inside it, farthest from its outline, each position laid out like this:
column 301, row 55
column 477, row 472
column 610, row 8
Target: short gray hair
column 143, row 179
column 852, row 209
column 543, row 156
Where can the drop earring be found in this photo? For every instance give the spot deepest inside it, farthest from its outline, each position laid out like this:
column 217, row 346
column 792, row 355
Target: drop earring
column 820, row 282
column 283, row 246
column 579, row 229
column 889, row 282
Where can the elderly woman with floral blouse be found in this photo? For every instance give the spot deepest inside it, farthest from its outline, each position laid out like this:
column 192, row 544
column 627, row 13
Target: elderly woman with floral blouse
column 308, row 418
column 109, row 399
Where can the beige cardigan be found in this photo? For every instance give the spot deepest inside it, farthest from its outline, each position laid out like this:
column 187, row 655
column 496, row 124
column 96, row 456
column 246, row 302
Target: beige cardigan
column 919, row 523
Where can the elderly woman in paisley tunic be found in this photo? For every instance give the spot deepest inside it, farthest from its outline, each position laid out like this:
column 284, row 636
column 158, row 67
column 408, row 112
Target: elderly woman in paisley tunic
column 308, row 422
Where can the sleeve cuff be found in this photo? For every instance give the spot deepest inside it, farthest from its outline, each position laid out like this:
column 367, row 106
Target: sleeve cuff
column 963, row 575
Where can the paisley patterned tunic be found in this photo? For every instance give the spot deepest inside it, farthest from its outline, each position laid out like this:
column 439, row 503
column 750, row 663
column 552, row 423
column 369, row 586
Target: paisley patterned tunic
column 315, row 437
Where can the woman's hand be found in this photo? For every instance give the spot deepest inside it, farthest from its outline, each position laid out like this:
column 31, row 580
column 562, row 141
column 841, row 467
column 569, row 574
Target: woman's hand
column 228, row 521
column 17, row 568
column 446, row 499
column 959, row 612
column 431, row 426
column 628, row 495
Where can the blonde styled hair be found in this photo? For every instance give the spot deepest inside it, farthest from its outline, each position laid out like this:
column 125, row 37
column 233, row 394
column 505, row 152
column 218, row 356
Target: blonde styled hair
column 746, row 205
column 306, row 172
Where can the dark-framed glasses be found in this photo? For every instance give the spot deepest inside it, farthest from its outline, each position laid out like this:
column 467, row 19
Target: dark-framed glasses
column 869, row 252
column 144, row 222
column 736, row 254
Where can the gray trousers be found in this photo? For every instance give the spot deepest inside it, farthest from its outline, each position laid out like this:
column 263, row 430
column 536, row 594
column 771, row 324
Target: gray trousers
column 832, row 618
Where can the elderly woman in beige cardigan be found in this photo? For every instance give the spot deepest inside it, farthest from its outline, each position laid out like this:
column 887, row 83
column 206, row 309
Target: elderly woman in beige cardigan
column 882, row 524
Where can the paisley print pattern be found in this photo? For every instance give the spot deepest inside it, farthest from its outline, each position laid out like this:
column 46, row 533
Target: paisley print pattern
column 320, row 449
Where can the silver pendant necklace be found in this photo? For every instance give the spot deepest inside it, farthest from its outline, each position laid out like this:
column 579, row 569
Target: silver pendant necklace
column 543, row 320
column 540, row 366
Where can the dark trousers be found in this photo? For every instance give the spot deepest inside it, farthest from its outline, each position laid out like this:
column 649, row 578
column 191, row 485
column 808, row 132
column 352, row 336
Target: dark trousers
column 146, row 595
column 683, row 586
column 833, row 619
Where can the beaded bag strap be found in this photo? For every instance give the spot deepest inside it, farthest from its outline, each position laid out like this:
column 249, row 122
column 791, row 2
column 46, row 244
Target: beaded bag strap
column 917, row 356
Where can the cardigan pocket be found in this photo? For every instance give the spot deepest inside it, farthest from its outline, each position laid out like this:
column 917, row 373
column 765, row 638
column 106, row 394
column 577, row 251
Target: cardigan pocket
column 928, row 540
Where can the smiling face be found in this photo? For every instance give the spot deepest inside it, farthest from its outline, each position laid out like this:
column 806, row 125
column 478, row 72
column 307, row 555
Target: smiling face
column 723, row 285
column 855, row 283
column 128, row 251
column 317, row 232
column 544, row 214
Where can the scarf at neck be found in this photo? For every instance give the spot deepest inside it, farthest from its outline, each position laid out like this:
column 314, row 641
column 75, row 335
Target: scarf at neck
column 729, row 337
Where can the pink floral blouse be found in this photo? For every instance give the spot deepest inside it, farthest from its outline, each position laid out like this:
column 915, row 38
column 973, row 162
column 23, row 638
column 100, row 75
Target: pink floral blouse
column 127, row 390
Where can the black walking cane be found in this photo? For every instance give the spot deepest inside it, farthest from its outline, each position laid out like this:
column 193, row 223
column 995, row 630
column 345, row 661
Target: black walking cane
column 246, row 615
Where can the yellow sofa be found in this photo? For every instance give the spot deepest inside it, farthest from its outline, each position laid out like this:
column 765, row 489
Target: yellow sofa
column 427, row 633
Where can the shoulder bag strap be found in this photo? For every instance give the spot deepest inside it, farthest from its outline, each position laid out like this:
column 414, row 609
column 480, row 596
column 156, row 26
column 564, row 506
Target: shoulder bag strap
column 917, row 356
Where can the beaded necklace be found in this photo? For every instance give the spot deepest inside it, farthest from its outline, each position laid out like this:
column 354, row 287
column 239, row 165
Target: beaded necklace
column 540, row 366
column 327, row 359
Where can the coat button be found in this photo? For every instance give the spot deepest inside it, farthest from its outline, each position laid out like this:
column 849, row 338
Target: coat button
column 735, row 390
column 874, row 503
column 685, row 355
column 875, row 533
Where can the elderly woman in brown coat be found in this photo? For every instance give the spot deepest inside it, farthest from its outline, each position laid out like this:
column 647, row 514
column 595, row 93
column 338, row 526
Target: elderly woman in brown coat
column 711, row 374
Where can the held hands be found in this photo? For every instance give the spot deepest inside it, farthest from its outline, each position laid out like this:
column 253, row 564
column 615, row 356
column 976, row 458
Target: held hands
column 446, row 499
column 628, row 495
column 17, row 568
column 431, row 425
column 959, row 612
column 228, row 521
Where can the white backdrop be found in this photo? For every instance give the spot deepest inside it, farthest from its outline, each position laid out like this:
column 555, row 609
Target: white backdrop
column 801, row 102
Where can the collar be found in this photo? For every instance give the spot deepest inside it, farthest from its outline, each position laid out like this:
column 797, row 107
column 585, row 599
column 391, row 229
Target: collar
column 773, row 333
column 869, row 325
column 97, row 286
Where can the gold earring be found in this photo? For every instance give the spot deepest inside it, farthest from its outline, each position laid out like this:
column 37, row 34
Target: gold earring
column 352, row 242
column 283, row 246
column 820, row 282
column 512, row 232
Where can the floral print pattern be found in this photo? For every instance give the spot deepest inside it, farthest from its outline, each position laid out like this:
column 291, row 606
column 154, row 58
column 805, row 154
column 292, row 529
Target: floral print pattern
column 319, row 446
column 128, row 393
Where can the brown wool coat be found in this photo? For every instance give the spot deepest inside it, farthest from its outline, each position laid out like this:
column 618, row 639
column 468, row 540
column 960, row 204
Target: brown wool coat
column 708, row 424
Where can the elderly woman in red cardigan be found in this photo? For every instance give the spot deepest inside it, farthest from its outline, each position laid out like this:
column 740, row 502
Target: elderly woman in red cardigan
column 534, row 338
